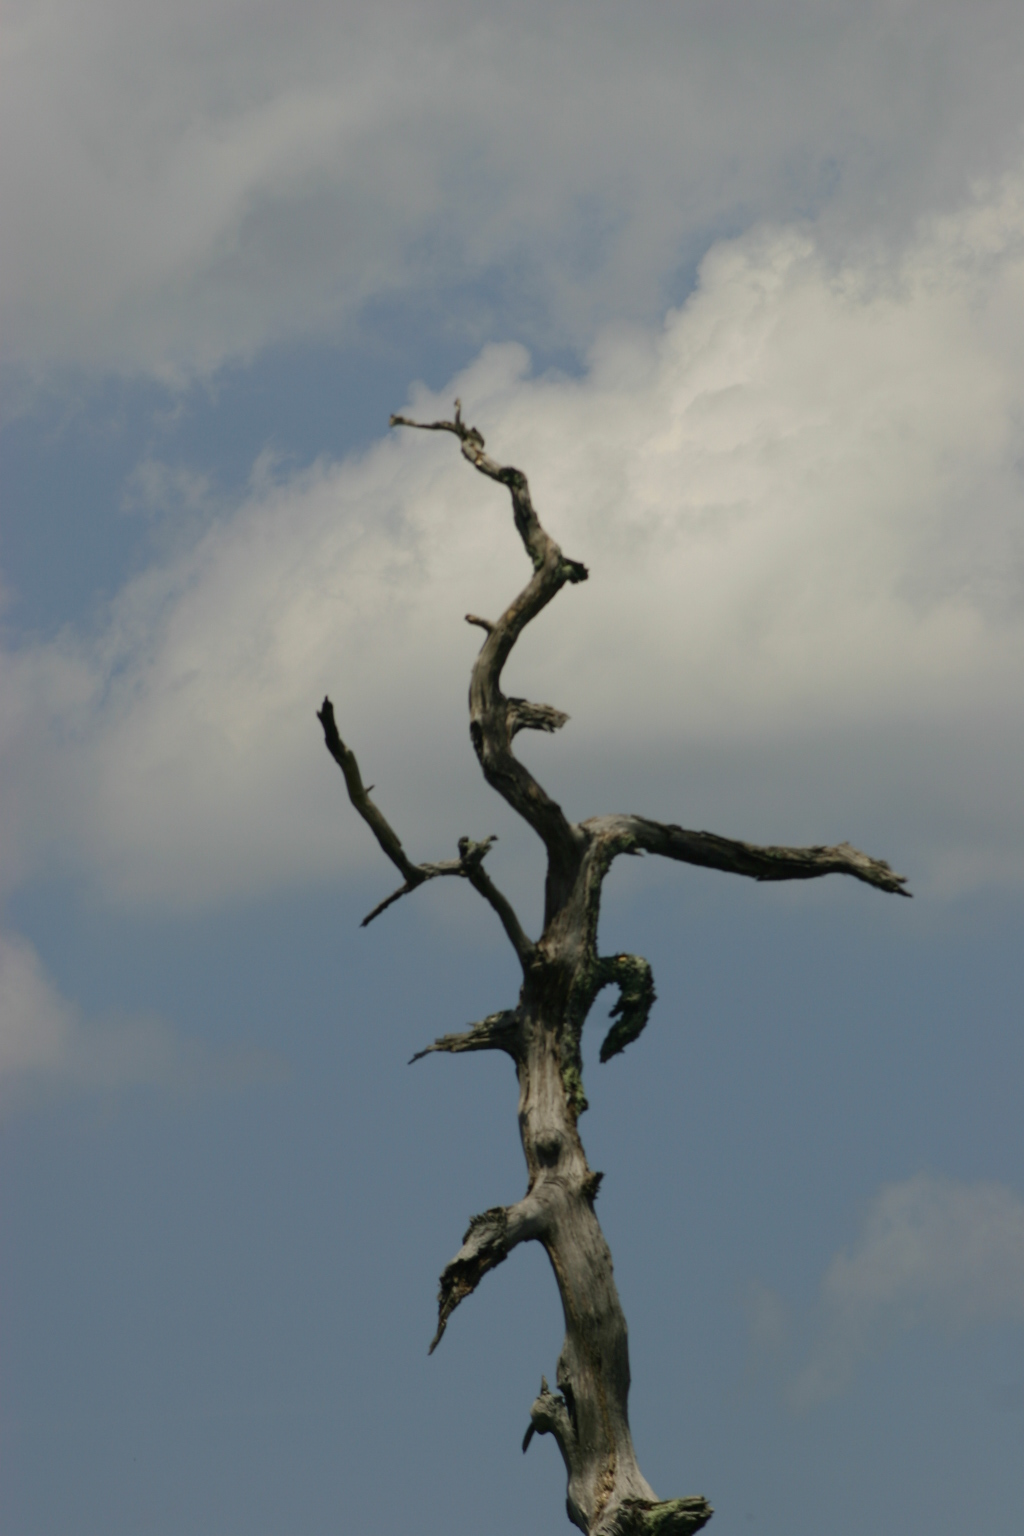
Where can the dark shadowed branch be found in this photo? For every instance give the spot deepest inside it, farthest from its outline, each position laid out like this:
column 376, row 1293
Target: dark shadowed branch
column 471, row 858
column 360, row 798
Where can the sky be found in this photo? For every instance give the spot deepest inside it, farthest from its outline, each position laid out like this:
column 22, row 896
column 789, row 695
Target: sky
column 740, row 286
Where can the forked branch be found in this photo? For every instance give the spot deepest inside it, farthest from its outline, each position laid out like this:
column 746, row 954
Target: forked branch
column 468, row 866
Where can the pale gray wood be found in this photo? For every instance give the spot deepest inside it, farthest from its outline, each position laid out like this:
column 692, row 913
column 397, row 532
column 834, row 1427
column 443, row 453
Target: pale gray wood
column 562, row 975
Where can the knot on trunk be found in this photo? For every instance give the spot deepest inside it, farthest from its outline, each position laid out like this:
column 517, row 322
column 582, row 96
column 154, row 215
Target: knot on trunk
column 550, row 1416
column 471, row 854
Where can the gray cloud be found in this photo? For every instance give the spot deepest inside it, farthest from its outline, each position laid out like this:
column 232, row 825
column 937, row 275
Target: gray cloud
column 183, row 186
column 931, row 1252
column 801, row 504
column 45, row 1041
column 36, row 1023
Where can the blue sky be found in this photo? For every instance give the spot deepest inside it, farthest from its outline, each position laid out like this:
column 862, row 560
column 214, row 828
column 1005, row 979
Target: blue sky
column 741, row 288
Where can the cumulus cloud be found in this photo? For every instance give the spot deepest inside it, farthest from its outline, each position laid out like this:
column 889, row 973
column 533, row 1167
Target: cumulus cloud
column 44, row 1039
column 801, row 503
column 186, row 184
column 931, row 1252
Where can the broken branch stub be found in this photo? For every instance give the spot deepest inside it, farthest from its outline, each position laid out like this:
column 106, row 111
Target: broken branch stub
column 563, row 973
column 498, row 1032
column 489, row 1240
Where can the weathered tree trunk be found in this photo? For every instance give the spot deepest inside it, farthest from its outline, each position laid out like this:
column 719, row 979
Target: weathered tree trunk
column 562, row 975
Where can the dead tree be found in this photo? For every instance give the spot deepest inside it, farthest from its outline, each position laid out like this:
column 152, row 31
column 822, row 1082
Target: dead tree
column 562, row 975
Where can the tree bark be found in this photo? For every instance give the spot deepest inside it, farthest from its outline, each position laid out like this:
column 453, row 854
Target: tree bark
column 562, row 975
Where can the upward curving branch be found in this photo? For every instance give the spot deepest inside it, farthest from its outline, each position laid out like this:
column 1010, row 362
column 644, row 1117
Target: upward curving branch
column 563, row 973
column 494, row 719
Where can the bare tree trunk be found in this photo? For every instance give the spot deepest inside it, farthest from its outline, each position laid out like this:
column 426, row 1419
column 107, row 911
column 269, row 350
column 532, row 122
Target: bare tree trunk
column 562, row 975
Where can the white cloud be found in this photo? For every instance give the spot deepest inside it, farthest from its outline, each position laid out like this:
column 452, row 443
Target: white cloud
column 931, row 1252
column 186, row 184
column 44, row 1039
column 801, row 503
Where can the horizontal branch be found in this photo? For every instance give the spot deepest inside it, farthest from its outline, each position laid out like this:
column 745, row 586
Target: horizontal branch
column 488, row 1242
column 498, row 1032
column 630, row 834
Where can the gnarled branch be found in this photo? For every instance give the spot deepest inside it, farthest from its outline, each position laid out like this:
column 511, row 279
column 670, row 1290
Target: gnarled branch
column 489, row 720
column 539, row 545
column 634, row 978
